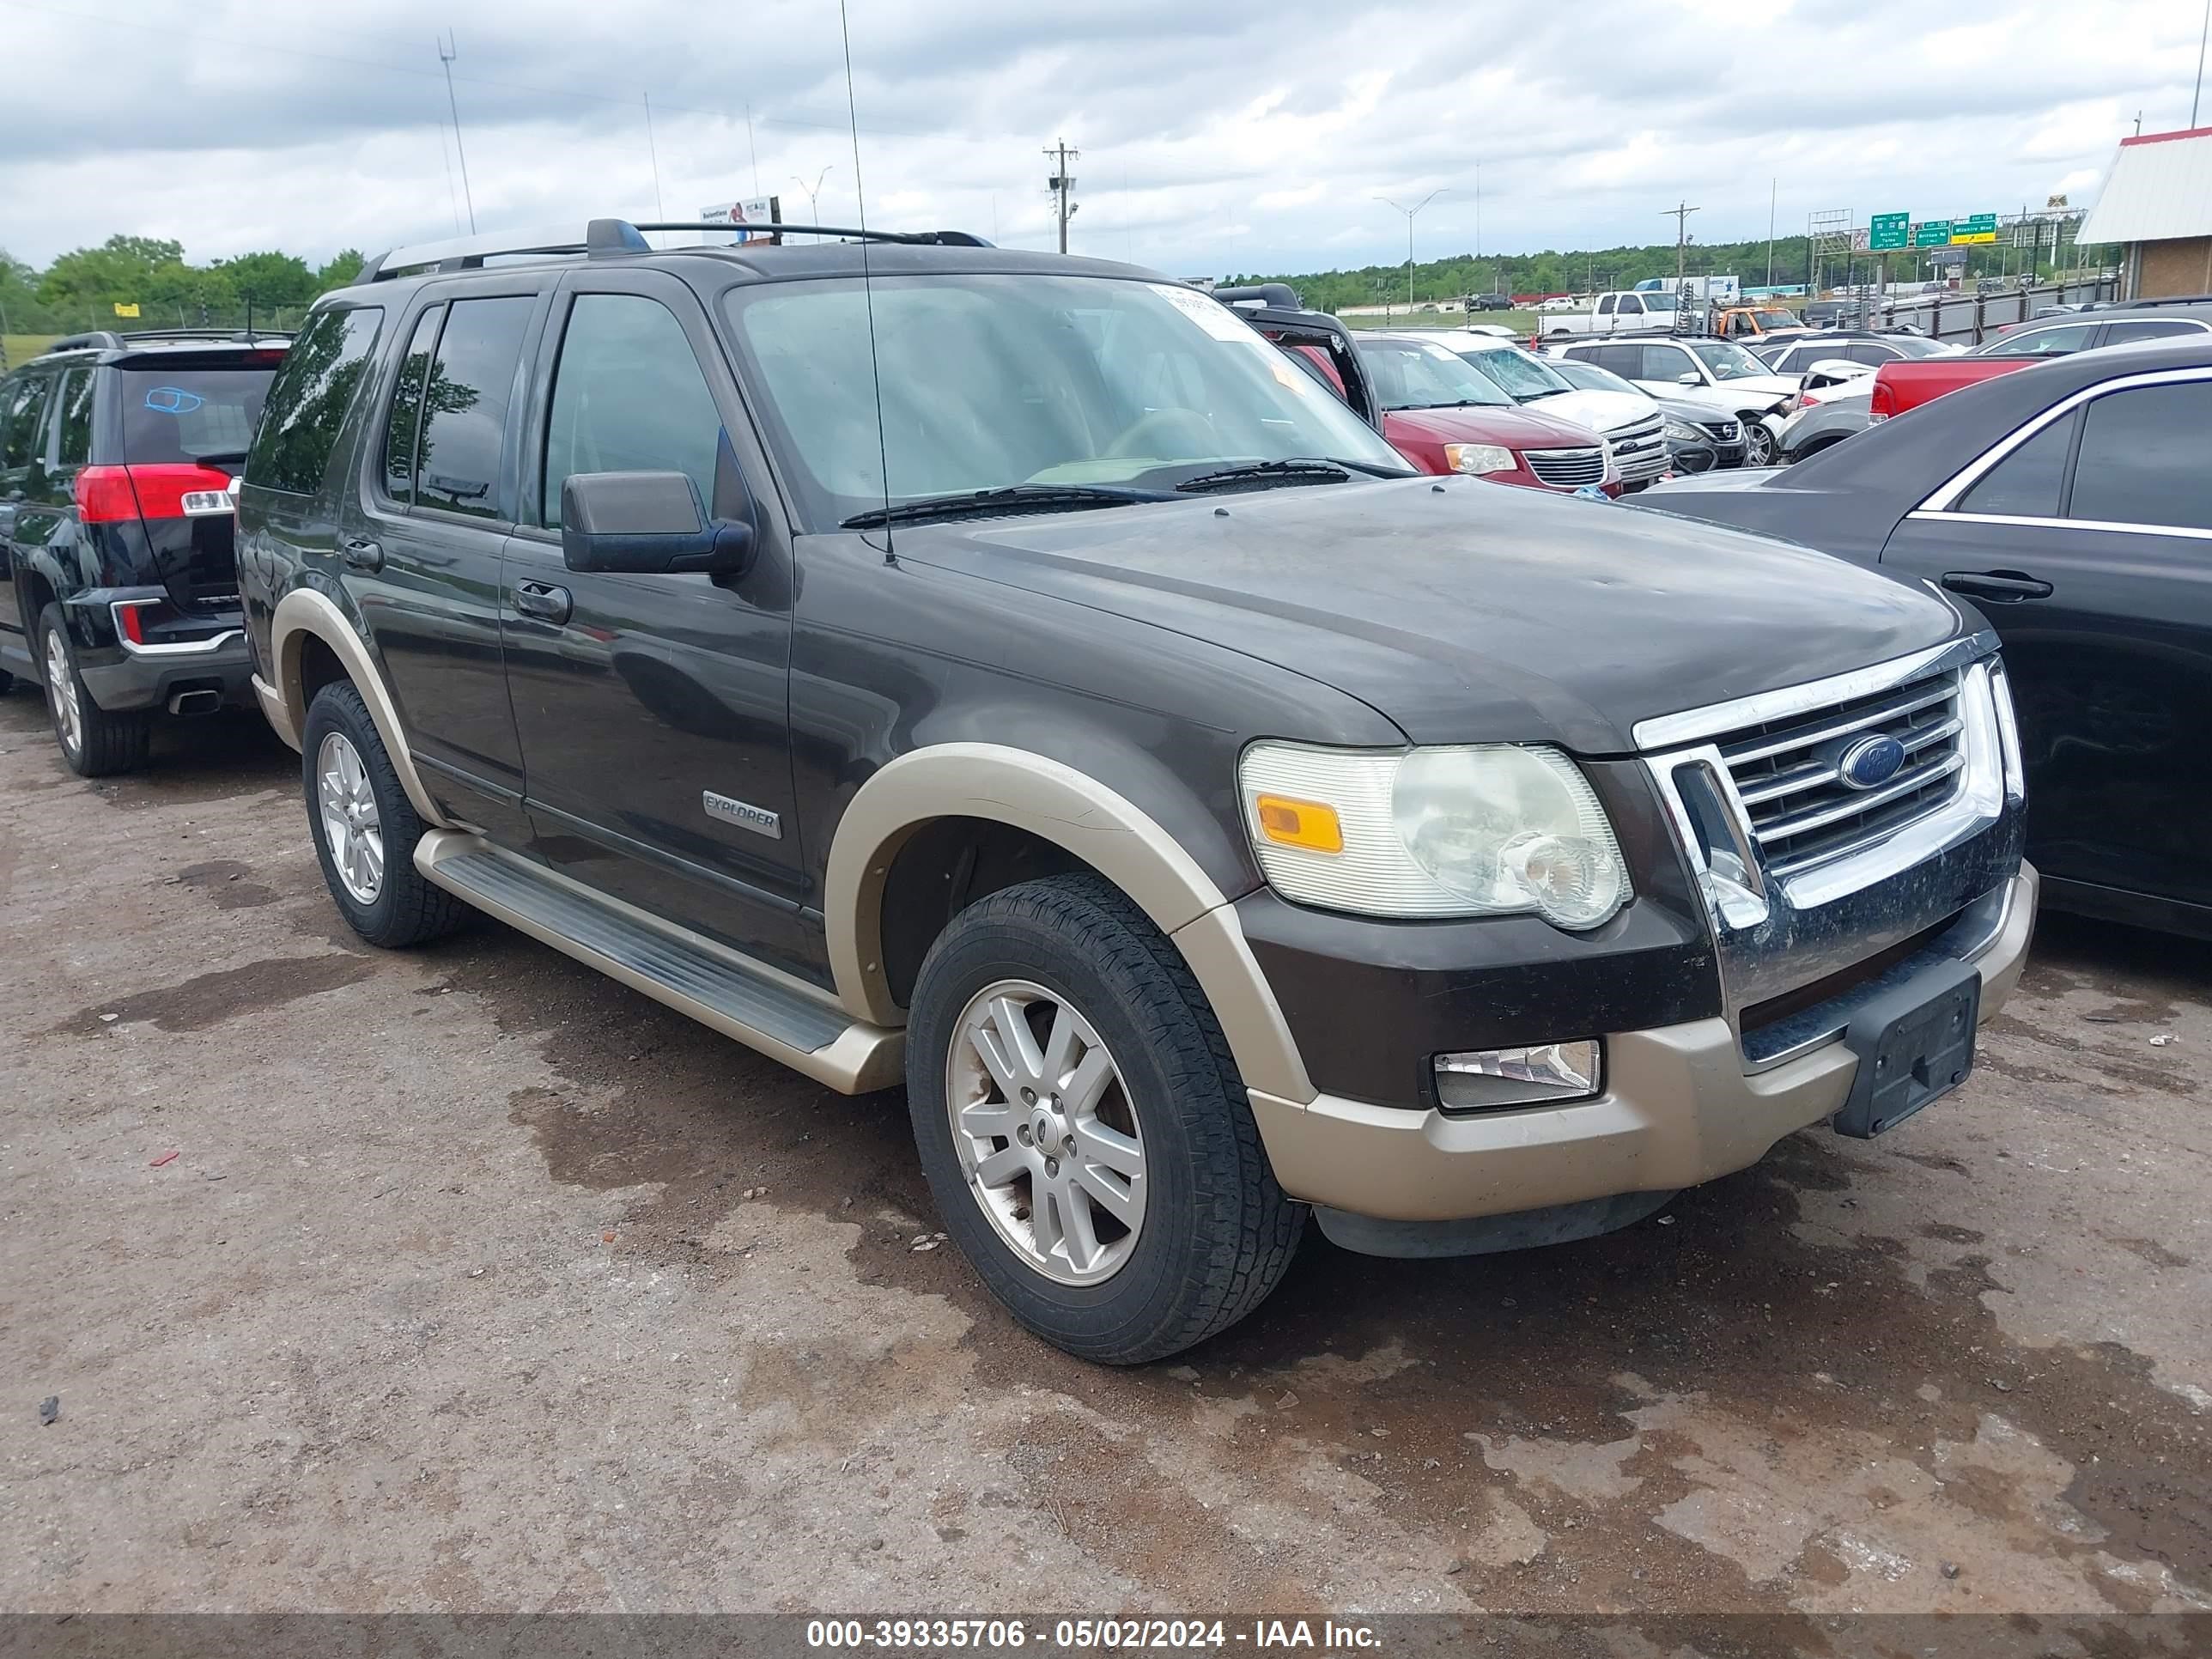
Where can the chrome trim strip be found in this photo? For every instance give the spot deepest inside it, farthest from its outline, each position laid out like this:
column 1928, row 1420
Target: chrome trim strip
column 1968, row 477
column 1803, row 823
column 179, row 648
column 2022, row 522
column 1665, row 730
column 1911, row 703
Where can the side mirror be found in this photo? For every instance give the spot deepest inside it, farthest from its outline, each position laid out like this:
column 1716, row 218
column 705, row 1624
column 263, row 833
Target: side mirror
column 1689, row 377
column 647, row 524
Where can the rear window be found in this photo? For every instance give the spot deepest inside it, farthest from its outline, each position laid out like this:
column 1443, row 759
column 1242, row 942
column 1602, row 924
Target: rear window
column 175, row 413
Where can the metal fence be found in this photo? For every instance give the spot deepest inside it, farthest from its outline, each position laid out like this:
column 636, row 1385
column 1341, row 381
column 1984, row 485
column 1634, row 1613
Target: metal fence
column 1971, row 319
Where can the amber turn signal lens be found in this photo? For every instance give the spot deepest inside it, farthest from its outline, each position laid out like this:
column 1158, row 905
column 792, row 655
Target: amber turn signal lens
column 1299, row 823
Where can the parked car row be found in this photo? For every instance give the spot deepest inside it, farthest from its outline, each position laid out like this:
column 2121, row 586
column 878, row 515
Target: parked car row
column 1043, row 684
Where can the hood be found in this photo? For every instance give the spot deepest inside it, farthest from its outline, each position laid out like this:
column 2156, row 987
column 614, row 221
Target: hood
column 1601, row 411
column 1756, row 386
column 1689, row 409
column 1506, row 423
column 1462, row 611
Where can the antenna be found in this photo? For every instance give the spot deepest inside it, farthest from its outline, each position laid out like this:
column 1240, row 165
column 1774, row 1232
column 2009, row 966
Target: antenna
column 653, row 150
column 867, row 287
column 448, row 51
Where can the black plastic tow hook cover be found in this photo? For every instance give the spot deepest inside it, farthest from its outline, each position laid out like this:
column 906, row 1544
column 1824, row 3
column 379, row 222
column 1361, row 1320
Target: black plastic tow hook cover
column 1915, row 1044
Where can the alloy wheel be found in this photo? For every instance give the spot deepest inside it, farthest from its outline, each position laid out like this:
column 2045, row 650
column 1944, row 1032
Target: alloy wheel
column 1048, row 1138
column 352, row 830
column 61, row 692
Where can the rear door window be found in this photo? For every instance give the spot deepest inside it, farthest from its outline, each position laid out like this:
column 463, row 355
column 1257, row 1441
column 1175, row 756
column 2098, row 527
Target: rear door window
column 629, row 395
column 180, row 413
column 23, row 420
column 2031, row 481
column 2143, row 458
column 308, row 402
column 1664, row 363
column 464, row 404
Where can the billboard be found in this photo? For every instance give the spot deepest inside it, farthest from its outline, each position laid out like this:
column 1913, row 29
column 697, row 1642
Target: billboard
column 757, row 209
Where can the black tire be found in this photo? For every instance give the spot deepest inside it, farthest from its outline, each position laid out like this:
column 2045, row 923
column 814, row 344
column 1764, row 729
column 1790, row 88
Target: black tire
column 1760, row 447
column 106, row 742
column 405, row 909
column 1217, row 1232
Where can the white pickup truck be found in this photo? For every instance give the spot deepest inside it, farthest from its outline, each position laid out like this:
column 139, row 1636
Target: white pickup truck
column 1622, row 309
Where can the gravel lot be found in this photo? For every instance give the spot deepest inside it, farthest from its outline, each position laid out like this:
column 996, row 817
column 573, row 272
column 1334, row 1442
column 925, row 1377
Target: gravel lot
column 477, row 1281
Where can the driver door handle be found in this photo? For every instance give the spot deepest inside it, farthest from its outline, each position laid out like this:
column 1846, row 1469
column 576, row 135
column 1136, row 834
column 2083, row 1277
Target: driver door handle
column 543, row 601
column 361, row 554
column 2005, row 586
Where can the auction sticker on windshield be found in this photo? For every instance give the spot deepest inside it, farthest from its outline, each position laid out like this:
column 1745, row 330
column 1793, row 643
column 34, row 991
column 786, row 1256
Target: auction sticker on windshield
column 1211, row 315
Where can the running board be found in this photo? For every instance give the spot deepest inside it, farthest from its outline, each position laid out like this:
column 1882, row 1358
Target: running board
column 754, row 1004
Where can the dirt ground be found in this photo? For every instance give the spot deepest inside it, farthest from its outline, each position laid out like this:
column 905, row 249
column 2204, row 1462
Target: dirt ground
column 477, row 1281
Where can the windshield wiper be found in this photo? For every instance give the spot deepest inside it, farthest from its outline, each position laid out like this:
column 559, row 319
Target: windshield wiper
column 1269, row 472
column 1012, row 498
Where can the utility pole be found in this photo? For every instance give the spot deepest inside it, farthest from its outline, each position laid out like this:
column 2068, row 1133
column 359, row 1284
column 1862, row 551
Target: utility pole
column 1773, row 190
column 1409, row 212
column 1062, row 186
column 449, row 50
column 1680, row 215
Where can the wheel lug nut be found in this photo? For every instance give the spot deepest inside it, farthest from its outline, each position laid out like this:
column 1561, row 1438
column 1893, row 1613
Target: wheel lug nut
column 1029, row 1097
column 1022, row 1134
column 1052, row 1166
column 1068, row 1145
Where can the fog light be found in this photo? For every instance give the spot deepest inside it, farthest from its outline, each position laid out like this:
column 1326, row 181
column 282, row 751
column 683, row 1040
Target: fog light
column 1542, row 1074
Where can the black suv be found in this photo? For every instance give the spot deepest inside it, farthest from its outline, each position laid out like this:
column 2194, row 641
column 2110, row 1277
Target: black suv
column 118, row 592
column 1008, row 675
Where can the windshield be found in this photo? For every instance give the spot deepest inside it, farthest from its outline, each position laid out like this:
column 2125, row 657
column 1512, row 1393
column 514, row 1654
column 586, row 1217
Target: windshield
column 1729, row 362
column 990, row 381
column 1910, row 347
column 1523, row 376
column 1775, row 319
column 1422, row 374
column 1590, row 378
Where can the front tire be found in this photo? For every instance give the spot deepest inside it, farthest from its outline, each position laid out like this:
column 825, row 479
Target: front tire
column 1083, row 1128
column 365, row 827
column 95, row 743
column 1761, row 448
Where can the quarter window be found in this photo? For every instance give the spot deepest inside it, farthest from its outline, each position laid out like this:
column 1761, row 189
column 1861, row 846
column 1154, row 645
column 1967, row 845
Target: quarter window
column 2124, row 333
column 628, row 397
column 2143, row 458
column 76, row 417
column 2030, row 483
column 464, row 404
column 308, row 402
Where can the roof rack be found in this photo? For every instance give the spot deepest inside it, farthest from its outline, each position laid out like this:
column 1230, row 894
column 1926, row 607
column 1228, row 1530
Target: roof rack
column 96, row 339
column 606, row 238
column 1264, row 294
column 245, row 334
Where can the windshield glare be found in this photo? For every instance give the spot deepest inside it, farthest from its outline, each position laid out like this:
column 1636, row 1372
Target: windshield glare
column 993, row 381
column 1729, row 362
column 1521, row 375
column 1422, row 374
column 1589, row 376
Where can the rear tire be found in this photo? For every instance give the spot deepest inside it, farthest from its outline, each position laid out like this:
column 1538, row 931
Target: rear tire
column 1166, row 1140
column 95, row 743
column 354, row 798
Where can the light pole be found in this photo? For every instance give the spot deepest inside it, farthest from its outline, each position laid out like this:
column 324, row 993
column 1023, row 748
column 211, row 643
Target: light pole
column 814, row 192
column 1409, row 212
column 2202, row 35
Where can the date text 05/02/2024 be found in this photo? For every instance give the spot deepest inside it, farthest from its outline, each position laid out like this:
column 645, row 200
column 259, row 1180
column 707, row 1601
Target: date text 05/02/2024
column 1113, row 1634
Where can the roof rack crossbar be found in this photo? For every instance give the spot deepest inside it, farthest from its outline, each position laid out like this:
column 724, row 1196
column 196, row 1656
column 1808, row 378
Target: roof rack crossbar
column 100, row 339
column 605, row 237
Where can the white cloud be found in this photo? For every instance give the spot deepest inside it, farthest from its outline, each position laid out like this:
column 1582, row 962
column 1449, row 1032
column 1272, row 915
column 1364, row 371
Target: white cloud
column 1233, row 136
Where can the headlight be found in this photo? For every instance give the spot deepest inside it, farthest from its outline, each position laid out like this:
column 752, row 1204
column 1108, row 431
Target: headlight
column 1480, row 457
column 1480, row 830
column 1682, row 432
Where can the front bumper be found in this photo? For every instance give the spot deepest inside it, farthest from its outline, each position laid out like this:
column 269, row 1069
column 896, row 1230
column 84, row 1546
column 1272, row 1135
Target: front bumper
column 1679, row 1108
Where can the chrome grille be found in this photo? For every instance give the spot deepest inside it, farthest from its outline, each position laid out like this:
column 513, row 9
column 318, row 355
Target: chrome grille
column 1567, row 469
column 1639, row 450
column 1788, row 775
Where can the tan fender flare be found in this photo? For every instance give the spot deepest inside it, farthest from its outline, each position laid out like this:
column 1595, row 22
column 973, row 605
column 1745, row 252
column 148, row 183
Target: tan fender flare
column 304, row 612
column 1074, row 811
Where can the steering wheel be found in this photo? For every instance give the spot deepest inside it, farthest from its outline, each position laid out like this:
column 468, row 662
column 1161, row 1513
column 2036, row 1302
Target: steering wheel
column 1167, row 434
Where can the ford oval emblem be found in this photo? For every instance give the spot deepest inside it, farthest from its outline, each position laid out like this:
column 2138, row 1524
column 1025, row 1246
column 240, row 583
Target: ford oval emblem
column 1871, row 761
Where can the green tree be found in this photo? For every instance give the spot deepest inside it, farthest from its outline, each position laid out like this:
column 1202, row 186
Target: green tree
column 269, row 279
column 340, row 270
column 116, row 270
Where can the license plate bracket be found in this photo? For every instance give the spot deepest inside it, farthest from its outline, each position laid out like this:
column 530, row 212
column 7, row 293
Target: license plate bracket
column 1915, row 1044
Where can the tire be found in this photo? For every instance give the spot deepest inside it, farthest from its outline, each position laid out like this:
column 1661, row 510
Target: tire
column 96, row 743
column 1759, row 446
column 1214, row 1232
column 378, row 824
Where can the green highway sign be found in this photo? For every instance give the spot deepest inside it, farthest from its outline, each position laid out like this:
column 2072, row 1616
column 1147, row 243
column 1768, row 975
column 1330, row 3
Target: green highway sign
column 1932, row 233
column 1888, row 232
column 1981, row 228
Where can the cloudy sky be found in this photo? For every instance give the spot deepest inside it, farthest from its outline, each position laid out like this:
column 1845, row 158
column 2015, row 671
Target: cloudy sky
column 1219, row 138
